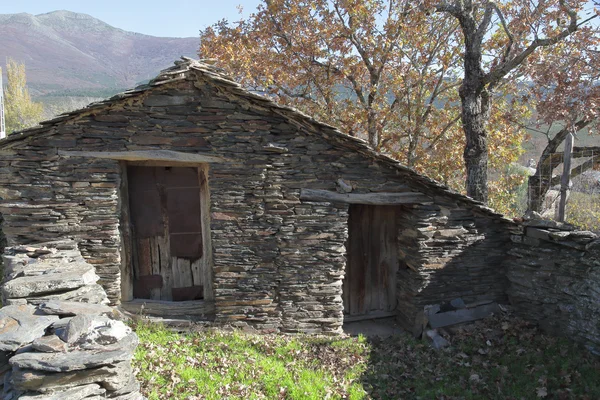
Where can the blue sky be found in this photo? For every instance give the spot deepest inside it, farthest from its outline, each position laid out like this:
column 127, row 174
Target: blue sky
column 181, row 18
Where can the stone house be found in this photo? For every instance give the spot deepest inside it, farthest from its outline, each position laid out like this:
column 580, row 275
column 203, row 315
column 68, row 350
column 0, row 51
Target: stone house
column 196, row 198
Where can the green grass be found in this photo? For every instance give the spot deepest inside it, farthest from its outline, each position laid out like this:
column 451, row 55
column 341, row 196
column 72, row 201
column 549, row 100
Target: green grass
column 501, row 358
column 215, row 365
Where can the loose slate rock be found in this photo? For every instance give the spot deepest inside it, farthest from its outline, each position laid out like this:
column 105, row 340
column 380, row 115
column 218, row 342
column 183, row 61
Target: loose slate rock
column 437, row 342
column 111, row 377
column 130, row 396
column 72, row 361
column 20, row 266
column 49, row 344
column 71, row 308
column 48, row 283
column 19, row 326
column 106, row 332
column 76, row 393
column 85, row 294
column 442, row 319
column 117, row 388
column 128, row 343
column 77, row 326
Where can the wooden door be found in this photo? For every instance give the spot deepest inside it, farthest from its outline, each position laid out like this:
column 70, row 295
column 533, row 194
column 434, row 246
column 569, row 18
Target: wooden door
column 372, row 261
column 165, row 205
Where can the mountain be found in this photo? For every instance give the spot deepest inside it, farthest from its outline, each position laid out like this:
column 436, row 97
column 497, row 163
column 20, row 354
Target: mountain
column 71, row 54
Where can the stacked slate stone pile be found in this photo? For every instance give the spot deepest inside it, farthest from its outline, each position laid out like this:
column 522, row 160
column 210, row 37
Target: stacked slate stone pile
column 57, row 338
column 554, row 274
column 49, row 271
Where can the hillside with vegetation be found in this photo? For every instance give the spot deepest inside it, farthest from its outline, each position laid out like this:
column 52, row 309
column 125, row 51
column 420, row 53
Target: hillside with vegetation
column 73, row 58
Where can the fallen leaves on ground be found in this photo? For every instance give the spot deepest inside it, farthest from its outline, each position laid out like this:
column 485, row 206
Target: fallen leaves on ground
column 498, row 358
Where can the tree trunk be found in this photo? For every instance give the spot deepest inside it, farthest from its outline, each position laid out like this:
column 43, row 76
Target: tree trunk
column 474, row 117
column 537, row 192
column 372, row 129
column 475, row 101
column 412, row 150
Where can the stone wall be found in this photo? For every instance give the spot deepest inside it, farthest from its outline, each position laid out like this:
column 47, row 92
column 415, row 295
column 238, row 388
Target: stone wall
column 554, row 274
column 278, row 261
column 58, row 339
column 449, row 252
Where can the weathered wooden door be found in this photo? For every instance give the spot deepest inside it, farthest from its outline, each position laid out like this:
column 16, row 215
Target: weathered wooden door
column 165, row 204
column 370, row 283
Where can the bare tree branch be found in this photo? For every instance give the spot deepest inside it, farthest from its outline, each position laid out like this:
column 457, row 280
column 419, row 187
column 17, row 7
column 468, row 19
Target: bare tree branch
column 496, row 74
column 509, row 34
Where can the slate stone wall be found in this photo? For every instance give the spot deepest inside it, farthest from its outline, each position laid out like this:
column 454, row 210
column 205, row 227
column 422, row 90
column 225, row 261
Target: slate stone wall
column 449, row 252
column 554, row 274
column 278, row 261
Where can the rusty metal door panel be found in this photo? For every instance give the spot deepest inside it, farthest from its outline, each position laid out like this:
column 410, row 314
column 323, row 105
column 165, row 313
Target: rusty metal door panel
column 144, row 202
column 183, row 208
column 186, row 245
column 183, row 211
column 188, row 293
column 143, row 285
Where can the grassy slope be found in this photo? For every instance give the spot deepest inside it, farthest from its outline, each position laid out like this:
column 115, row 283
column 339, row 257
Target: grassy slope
column 502, row 358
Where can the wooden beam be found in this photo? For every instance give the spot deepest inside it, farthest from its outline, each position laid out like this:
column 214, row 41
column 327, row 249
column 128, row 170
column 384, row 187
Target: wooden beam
column 169, row 309
column 377, row 199
column 146, row 155
column 566, row 177
column 372, row 315
column 578, row 152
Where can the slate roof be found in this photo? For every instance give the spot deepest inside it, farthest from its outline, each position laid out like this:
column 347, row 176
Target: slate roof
column 217, row 76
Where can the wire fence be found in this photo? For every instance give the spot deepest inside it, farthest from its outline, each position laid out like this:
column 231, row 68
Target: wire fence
column 582, row 193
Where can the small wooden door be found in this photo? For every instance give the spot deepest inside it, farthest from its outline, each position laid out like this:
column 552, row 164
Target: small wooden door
column 165, row 204
column 370, row 283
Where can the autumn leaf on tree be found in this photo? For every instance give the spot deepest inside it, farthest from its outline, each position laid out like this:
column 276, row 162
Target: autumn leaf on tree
column 21, row 112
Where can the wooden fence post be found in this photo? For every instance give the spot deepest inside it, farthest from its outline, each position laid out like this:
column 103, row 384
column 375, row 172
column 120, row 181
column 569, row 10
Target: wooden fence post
column 566, row 176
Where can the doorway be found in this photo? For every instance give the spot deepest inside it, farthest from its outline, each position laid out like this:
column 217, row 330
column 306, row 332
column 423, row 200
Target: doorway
column 369, row 288
column 170, row 252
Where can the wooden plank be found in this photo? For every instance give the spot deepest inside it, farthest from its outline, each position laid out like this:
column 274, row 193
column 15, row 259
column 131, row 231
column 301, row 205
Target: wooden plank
column 182, row 272
column 373, row 239
column 566, row 177
column 177, row 281
column 206, row 263
column 347, row 277
column 353, row 253
column 364, row 198
column 197, row 272
column 358, row 259
column 127, row 251
column 373, row 315
column 389, row 258
column 173, row 157
column 166, row 270
column 170, row 309
column 156, row 292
